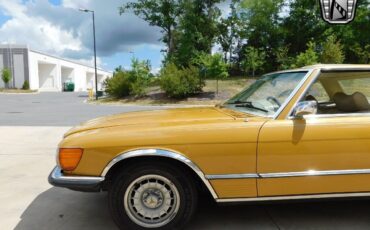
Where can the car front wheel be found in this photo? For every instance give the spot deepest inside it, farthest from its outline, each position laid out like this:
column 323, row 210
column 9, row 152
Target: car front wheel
column 152, row 197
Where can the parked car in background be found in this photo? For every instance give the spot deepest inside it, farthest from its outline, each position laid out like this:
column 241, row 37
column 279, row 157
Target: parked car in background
column 295, row 134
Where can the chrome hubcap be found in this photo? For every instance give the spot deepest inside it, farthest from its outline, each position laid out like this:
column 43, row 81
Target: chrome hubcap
column 152, row 198
column 151, row 201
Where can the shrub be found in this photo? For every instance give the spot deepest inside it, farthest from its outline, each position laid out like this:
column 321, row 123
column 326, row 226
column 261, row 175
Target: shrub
column 26, row 85
column 332, row 51
column 138, row 87
column 180, row 82
column 309, row 57
column 133, row 82
column 119, row 85
column 6, row 76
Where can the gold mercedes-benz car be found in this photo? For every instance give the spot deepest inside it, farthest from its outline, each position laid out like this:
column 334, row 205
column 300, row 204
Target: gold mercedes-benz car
column 296, row 134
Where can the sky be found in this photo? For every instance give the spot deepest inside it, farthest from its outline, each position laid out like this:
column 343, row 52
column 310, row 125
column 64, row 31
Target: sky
column 56, row 27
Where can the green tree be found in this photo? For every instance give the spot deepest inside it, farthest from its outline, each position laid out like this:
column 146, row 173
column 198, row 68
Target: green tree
column 139, row 75
column 162, row 13
column 228, row 31
column 262, row 29
column 302, row 25
column 332, row 51
column 118, row 69
column 254, row 59
column 355, row 34
column 212, row 66
column 6, row 76
column 197, row 29
column 362, row 53
column 282, row 58
column 309, row 57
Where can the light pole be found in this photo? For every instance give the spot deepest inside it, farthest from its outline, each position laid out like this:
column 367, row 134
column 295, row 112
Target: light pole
column 96, row 70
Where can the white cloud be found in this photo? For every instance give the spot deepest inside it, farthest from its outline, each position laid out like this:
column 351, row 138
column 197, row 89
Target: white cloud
column 64, row 31
column 90, row 62
column 75, row 4
column 35, row 31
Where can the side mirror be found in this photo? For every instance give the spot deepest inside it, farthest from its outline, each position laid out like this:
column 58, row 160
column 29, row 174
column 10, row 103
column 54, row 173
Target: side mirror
column 305, row 108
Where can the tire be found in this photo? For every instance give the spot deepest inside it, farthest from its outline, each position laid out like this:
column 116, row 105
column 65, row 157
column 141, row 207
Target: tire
column 152, row 196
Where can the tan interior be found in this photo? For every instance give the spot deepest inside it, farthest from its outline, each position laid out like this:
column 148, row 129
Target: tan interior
column 340, row 102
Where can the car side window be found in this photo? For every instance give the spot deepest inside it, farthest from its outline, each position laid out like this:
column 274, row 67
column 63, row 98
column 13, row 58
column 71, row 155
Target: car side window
column 318, row 93
column 352, row 86
column 341, row 93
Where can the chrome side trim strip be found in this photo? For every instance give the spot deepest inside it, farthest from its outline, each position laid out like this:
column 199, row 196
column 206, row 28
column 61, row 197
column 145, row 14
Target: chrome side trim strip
column 232, row 176
column 315, row 173
column 313, row 116
column 161, row 153
column 296, row 197
column 288, row 174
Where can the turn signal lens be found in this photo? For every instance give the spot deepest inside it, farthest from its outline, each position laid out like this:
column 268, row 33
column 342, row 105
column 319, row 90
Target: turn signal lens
column 69, row 158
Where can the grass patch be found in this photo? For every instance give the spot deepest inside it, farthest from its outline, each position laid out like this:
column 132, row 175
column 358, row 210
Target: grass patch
column 155, row 96
column 2, row 90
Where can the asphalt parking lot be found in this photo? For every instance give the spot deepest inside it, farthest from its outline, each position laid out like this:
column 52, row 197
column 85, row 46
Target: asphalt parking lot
column 32, row 125
column 53, row 109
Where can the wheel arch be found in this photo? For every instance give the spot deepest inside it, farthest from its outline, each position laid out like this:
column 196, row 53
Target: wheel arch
column 163, row 154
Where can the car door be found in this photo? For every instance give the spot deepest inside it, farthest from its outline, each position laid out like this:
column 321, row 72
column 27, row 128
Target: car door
column 322, row 153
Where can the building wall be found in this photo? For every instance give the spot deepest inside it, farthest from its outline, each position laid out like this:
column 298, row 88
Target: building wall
column 15, row 58
column 65, row 70
column 45, row 72
column 20, row 69
column 47, row 76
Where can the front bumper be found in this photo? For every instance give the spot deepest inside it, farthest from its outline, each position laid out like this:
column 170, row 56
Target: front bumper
column 78, row 183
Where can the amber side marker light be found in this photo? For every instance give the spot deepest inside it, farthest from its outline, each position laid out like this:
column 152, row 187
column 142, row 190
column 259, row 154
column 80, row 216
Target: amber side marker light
column 69, row 158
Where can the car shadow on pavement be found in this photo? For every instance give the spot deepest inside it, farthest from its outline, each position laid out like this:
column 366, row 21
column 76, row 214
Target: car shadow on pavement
column 59, row 208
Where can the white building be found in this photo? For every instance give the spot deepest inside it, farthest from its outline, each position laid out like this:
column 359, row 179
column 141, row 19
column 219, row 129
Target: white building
column 46, row 72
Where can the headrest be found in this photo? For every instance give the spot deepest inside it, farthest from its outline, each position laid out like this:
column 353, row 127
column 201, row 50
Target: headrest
column 310, row 98
column 351, row 103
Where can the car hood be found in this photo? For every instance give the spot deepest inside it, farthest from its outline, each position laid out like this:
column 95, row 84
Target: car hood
column 179, row 116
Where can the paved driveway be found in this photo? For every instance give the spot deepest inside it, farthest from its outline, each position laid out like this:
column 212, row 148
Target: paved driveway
column 53, row 109
column 28, row 202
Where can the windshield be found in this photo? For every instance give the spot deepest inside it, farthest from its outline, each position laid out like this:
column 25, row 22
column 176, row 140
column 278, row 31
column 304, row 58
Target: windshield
column 265, row 96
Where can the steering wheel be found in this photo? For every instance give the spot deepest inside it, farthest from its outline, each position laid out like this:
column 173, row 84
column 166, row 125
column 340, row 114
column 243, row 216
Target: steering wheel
column 274, row 100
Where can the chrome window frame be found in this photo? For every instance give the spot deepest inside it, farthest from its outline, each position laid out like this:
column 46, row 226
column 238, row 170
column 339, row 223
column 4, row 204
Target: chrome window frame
column 294, row 92
column 327, row 70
